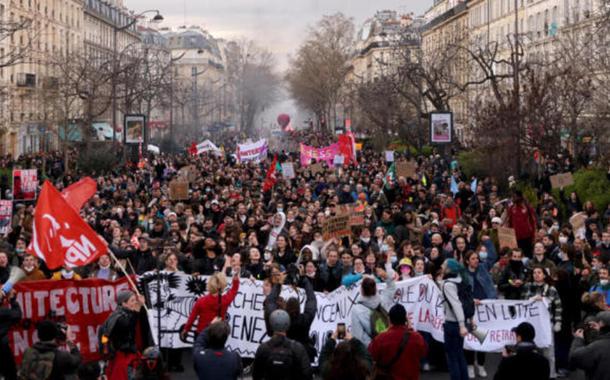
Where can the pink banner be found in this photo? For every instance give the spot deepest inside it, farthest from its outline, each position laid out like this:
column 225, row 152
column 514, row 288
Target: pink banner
column 319, row 154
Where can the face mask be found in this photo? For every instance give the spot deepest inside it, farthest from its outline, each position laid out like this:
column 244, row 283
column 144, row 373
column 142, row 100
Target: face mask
column 365, row 239
column 483, row 255
column 603, row 282
column 563, row 240
column 19, row 251
column 28, row 269
column 67, row 275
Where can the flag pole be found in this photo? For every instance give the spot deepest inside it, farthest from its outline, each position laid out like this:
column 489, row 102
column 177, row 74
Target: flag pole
column 129, row 279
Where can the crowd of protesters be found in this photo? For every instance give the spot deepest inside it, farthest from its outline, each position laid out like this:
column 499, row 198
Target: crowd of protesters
column 229, row 227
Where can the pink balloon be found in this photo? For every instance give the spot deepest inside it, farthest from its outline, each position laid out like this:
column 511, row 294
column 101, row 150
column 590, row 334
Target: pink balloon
column 283, row 120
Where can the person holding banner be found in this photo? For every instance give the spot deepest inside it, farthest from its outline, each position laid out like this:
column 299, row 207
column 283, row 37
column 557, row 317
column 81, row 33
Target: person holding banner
column 541, row 288
column 455, row 320
column 214, row 304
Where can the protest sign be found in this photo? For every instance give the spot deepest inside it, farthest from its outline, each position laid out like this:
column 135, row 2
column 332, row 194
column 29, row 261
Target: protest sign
column 578, row 221
column 25, row 184
column 308, row 153
column 208, row 146
column 256, row 151
column 336, row 227
column 420, row 296
column 389, row 156
column 83, row 305
column 316, row 168
column 406, row 169
column 356, row 218
column 6, row 214
column 496, row 318
column 338, row 160
column 178, row 190
column 561, row 181
column 507, row 237
column 288, row 170
column 188, row 173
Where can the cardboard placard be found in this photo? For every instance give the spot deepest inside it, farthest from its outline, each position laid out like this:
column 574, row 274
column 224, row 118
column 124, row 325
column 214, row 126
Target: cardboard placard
column 336, row 227
column 316, row 168
column 356, row 218
column 188, row 173
column 563, row 180
column 406, row 169
column 578, row 221
column 507, row 237
column 25, row 184
column 178, row 190
column 288, row 170
column 338, row 160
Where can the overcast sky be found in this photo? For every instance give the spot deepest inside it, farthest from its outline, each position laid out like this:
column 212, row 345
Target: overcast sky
column 280, row 25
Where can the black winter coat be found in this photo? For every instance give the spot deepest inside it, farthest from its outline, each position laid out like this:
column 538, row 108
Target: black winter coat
column 300, row 370
column 526, row 364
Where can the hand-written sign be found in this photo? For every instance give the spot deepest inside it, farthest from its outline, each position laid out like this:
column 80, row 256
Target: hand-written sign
column 336, row 227
column 288, row 170
column 178, row 190
column 356, row 218
column 188, row 173
column 563, row 180
column 406, row 169
column 507, row 237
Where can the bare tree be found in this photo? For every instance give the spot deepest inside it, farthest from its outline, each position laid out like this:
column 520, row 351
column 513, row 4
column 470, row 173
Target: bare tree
column 317, row 73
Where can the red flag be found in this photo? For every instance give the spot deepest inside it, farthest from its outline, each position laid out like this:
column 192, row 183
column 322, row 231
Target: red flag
column 193, row 149
column 78, row 193
column 271, row 179
column 347, row 148
column 59, row 235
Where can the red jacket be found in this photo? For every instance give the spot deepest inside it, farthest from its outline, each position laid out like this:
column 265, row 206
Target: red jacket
column 452, row 213
column 523, row 219
column 206, row 307
column 385, row 345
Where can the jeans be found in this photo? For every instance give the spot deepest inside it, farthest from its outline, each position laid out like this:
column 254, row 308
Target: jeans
column 470, row 357
column 454, row 349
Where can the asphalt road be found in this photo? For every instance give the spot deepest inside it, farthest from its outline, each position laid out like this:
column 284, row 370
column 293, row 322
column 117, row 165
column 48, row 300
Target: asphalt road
column 491, row 365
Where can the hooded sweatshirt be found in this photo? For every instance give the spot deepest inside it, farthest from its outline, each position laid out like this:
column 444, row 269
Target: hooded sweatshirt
column 361, row 313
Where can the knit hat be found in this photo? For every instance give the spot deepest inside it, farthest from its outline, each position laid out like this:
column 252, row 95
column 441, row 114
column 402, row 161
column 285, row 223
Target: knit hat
column 279, row 321
column 47, row 330
column 124, row 296
column 398, row 315
column 454, row 266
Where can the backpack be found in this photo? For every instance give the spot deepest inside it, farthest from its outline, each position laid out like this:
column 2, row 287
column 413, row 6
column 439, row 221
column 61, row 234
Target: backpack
column 280, row 362
column 105, row 346
column 36, row 365
column 379, row 320
column 466, row 299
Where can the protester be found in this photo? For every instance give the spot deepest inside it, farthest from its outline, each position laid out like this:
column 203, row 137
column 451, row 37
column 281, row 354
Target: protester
column 214, row 304
column 210, row 357
column 121, row 329
column 281, row 358
column 593, row 358
column 45, row 360
column 344, row 358
column 523, row 361
column 455, row 321
column 10, row 314
column 399, row 350
column 371, row 303
column 31, row 269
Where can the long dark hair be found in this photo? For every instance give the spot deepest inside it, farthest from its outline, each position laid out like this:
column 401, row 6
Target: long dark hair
column 345, row 364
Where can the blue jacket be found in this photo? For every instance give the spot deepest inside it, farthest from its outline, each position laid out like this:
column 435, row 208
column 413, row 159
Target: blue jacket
column 600, row 289
column 214, row 364
column 482, row 273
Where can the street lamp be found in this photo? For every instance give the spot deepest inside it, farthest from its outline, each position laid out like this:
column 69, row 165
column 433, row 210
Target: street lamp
column 117, row 29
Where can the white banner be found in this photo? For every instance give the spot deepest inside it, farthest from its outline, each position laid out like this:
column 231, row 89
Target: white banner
column 420, row 296
column 256, row 151
column 208, row 146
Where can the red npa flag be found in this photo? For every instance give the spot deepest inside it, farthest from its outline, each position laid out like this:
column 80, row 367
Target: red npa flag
column 78, row 193
column 59, row 235
column 271, row 178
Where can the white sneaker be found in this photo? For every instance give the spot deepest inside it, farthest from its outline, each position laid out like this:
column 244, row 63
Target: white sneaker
column 471, row 372
column 481, row 370
column 426, row 367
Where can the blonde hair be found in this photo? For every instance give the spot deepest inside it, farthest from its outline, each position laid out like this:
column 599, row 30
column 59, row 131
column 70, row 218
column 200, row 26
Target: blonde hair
column 216, row 283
